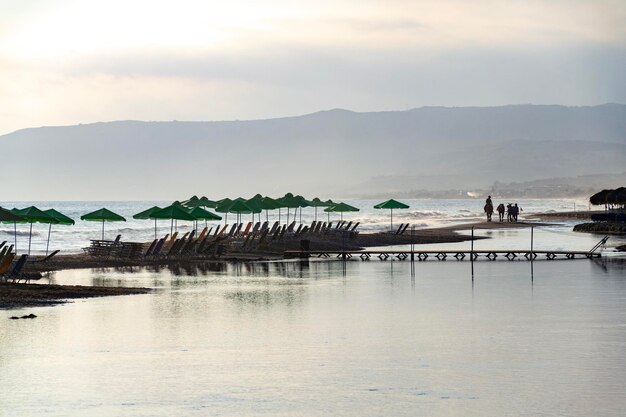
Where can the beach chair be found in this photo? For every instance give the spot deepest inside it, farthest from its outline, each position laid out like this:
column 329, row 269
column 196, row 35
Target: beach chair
column 276, row 232
column 355, row 226
column 265, row 226
column 247, row 229
column 238, row 231
column 257, row 225
column 262, row 238
column 48, row 257
column 282, row 232
column 151, row 248
column 2, row 244
column 274, row 227
column 399, row 228
column 297, row 232
column 156, row 251
column 6, row 262
column 3, row 253
column 291, row 226
column 203, row 233
column 221, row 231
column 16, row 272
column 406, row 226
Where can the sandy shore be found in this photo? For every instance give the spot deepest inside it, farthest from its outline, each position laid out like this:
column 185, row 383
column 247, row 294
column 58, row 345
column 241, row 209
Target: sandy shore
column 24, row 295
column 565, row 215
column 14, row 295
column 276, row 250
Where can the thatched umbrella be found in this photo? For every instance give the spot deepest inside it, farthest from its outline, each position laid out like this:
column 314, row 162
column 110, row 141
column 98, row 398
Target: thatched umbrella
column 599, row 198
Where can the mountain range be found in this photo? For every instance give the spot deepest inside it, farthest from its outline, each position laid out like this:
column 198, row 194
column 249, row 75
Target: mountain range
column 330, row 153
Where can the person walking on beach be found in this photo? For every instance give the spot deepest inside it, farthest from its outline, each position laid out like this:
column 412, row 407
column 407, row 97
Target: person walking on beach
column 489, row 208
column 501, row 211
column 509, row 212
column 515, row 212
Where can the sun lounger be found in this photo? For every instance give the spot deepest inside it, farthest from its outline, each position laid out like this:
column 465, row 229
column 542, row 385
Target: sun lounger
column 257, row 225
column 232, row 230
column 16, row 272
column 3, row 243
column 6, row 262
column 247, row 229
column 406, row 226
column 48, row 257
column 151, row 248
column 274, row 227
column 291, row 226
column 203, row 233
column 157, row 248
column 265, row 226
column 222, row 232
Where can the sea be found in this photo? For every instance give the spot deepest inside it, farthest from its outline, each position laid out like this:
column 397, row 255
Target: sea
column 423, row 213
column 327, row 337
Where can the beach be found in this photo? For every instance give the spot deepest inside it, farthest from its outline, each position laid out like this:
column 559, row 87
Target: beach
column 26, row 295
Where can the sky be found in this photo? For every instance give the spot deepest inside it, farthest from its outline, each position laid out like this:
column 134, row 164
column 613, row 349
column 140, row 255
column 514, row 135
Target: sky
column 66, row 62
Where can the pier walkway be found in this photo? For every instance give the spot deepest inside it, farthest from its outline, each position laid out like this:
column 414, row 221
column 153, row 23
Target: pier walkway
column 442, row 255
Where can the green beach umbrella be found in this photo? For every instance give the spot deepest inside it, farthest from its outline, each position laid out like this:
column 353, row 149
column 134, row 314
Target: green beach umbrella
column 202, row 214
column 8, row 216
column 289, row 201
column 145, row 215
column 192, row 202
column 268, row 203
column 205, row 202
column 175, row 211
column 316, row 202
column 239, row 206
column 391, row 204
column 102, row 215
column 340, row 208
column 33, row 215
column 61, row 219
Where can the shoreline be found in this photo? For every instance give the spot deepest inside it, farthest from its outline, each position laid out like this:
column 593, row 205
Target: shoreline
column 275, row 251
column 17, row 295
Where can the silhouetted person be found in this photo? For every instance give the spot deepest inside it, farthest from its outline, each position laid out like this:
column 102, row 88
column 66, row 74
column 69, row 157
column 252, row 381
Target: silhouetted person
column 489, row 208
column 509, row 212
column 501, row 212
column 515, row 212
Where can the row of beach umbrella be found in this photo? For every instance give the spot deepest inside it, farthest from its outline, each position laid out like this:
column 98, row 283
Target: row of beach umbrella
column 193, row 209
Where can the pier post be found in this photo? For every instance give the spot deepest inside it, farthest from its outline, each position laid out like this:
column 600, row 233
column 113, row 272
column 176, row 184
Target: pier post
column 532, row 230
column 412, row 244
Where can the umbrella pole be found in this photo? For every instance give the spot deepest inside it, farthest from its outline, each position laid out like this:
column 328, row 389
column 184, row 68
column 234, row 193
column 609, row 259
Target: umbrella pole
column 391, row 230
column 30, row 235
column 48, row 244
column 172, row 228
column 278, row 215
column 316, row 213
column 155, row 228
column 300, row 215
column 102, row 229
column 15, row 234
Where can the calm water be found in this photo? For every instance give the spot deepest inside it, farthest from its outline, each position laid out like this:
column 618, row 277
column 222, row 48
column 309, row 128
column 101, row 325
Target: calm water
column 327, row 338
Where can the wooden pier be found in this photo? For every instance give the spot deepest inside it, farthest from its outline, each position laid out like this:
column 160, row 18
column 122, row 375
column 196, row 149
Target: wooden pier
column 442, row 255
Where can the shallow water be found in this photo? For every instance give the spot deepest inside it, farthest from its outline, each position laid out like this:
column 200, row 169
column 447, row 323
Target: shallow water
column 327, row 338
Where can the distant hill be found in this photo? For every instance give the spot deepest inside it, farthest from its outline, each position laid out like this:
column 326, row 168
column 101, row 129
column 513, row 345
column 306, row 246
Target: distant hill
column 329, row 153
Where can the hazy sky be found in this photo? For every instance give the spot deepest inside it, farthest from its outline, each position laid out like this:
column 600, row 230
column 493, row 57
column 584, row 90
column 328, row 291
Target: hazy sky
column 68, row 62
